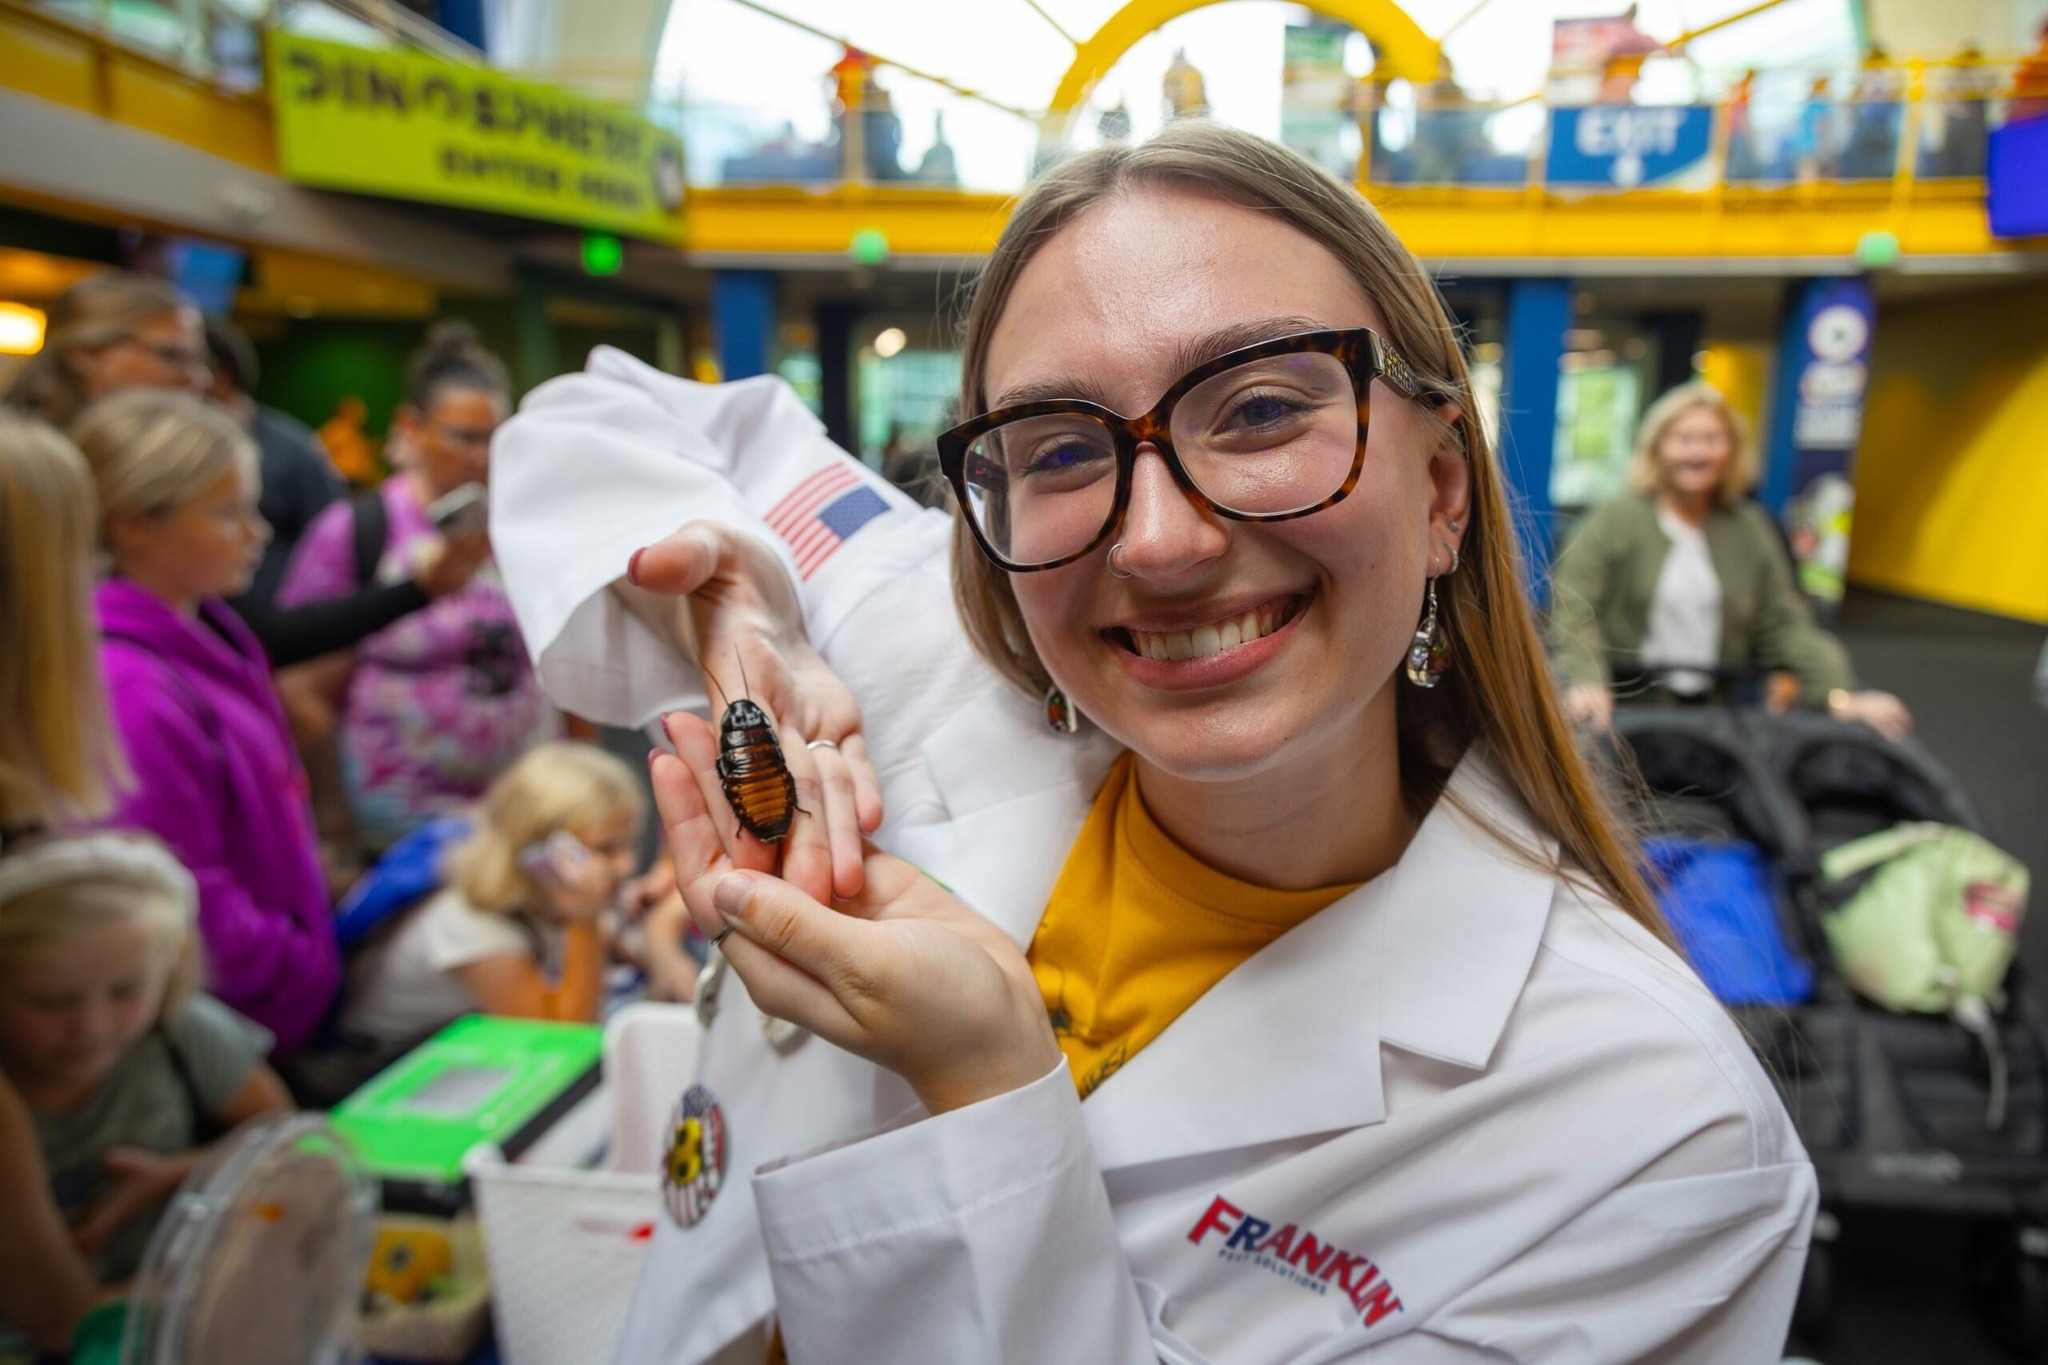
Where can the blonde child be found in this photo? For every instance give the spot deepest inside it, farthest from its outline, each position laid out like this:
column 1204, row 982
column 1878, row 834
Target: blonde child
column 57, row 756
column 56, row 747
column 518, row 927
column 216, row 774
column 125, row 1071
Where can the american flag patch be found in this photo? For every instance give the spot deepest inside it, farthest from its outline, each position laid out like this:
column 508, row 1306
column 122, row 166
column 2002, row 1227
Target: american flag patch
column 819, row 514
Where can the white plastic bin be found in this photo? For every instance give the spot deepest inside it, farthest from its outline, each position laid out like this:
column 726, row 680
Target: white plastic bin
column 566, row 1243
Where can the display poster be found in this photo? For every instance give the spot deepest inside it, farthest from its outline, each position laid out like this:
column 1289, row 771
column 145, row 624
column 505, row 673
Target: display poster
column 1626, row 146
column 1593, row 56
column 1832, row 365
column 1315, row 95
column 414, row 126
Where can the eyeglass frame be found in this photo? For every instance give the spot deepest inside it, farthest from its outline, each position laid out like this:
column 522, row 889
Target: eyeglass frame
column 169, row 355
column 1364, row 353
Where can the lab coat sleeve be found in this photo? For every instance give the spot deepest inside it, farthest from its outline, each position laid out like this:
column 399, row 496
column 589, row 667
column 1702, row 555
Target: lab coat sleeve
column 983, row 1234
column 598, row 464
column 1699, row 1270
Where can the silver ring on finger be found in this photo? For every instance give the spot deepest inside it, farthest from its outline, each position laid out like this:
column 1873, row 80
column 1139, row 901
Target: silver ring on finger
column 822, row 744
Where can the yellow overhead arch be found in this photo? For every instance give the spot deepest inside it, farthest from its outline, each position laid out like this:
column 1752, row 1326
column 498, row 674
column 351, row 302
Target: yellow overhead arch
column 1398, row 42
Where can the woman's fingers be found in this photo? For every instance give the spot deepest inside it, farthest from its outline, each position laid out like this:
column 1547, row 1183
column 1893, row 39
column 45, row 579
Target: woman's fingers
column 749, row 637
column 867, row 785
column 688, row 825
column 680, row 562
column 807, row 848
column 786, row 947
column 842, row 824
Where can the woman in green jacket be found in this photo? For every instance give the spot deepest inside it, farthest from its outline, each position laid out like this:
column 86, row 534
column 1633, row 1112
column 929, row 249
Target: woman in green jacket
column 1685, row 575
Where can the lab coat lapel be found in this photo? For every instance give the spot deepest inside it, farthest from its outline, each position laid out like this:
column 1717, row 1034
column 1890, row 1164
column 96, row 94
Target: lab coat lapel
column 1016, row 795
column 1429, row 957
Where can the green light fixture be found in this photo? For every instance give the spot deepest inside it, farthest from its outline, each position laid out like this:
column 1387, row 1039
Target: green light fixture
column 603, row 254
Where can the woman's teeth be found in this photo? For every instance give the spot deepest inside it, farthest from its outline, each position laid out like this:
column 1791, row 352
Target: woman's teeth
column 1210, row 639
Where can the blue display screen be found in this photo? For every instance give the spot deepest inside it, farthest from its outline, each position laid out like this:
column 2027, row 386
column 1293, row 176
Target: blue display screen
column 2017, row 176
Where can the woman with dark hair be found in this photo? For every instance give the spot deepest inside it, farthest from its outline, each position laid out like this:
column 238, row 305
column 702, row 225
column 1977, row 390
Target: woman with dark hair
column 1255, row 972
column 417, row 720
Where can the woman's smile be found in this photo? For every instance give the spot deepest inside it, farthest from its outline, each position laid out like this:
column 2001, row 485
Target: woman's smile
column 1203, row 633
column 1227, row 647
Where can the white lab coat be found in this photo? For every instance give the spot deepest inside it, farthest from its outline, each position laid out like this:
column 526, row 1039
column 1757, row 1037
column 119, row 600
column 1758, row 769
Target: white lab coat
column 1466, row 1113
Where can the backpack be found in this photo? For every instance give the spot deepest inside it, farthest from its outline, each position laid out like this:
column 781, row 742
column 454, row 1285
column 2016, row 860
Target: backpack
column 371, row 521
column 1932, row 928
column 408, row 873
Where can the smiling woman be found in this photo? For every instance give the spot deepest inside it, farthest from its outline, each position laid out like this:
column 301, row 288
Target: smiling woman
column 1381, row 1046
column 1670, row 590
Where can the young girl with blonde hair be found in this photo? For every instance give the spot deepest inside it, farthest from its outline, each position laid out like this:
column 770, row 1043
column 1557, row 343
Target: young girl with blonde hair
column 519, row 927
column 57, row 755
column 216, row 776
column 57, row 759
column 127, row 1072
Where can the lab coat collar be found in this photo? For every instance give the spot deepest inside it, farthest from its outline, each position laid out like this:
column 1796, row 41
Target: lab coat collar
column 1008, row 821
column 1429, row 957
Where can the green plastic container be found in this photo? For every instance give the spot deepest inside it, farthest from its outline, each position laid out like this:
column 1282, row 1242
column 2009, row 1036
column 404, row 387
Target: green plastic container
column 481, row 1079
column 97, row 1339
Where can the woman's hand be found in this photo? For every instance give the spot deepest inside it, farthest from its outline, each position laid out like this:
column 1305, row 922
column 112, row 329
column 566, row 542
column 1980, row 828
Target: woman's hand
column 901, row 972
column 1881, row 711
column 1589, row 705
column 747, row 626
column 447, row 565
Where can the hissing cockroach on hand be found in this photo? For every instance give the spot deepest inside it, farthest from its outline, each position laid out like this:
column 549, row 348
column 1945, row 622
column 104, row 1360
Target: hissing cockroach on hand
column 753, row 773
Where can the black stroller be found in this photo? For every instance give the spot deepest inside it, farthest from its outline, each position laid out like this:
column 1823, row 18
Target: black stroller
column 1892, row 1108
column 1942, row 1120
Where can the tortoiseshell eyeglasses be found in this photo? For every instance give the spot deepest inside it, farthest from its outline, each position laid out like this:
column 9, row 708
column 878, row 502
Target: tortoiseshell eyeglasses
column 1266, row 433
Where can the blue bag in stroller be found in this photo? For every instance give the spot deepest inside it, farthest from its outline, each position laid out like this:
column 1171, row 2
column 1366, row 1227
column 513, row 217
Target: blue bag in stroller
column 1717, row 895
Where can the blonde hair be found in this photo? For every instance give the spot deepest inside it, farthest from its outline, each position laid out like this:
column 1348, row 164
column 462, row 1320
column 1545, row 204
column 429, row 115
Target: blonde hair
column 1498, row 688
column 1645, row 475
column 98, row 311
column 60, row 887
column 552, row 786
column 154, row 450
column 58, row 756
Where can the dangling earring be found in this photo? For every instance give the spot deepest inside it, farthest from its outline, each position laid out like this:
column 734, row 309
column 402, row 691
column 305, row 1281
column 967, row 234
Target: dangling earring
column 1427, row 651
column 1060, row 713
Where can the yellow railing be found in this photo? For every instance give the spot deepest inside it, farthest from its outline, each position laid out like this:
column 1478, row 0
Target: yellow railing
column 1818, row 178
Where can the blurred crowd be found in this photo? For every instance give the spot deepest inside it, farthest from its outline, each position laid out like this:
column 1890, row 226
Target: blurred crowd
column 236, row 696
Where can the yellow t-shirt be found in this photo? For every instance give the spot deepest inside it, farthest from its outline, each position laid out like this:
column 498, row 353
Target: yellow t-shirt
column 1137, row 929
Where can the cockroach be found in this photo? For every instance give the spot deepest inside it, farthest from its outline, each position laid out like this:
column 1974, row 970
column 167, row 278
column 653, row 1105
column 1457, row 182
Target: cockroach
column 753, row 772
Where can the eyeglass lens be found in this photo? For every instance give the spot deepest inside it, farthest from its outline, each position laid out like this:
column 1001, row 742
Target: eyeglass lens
column 1268, row 437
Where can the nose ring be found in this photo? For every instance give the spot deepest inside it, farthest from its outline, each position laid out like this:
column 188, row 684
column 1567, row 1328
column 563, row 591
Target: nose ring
column 1114, row 571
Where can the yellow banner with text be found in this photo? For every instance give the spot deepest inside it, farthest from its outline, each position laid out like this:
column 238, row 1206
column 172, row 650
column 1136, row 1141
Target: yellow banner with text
column 413, row 126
